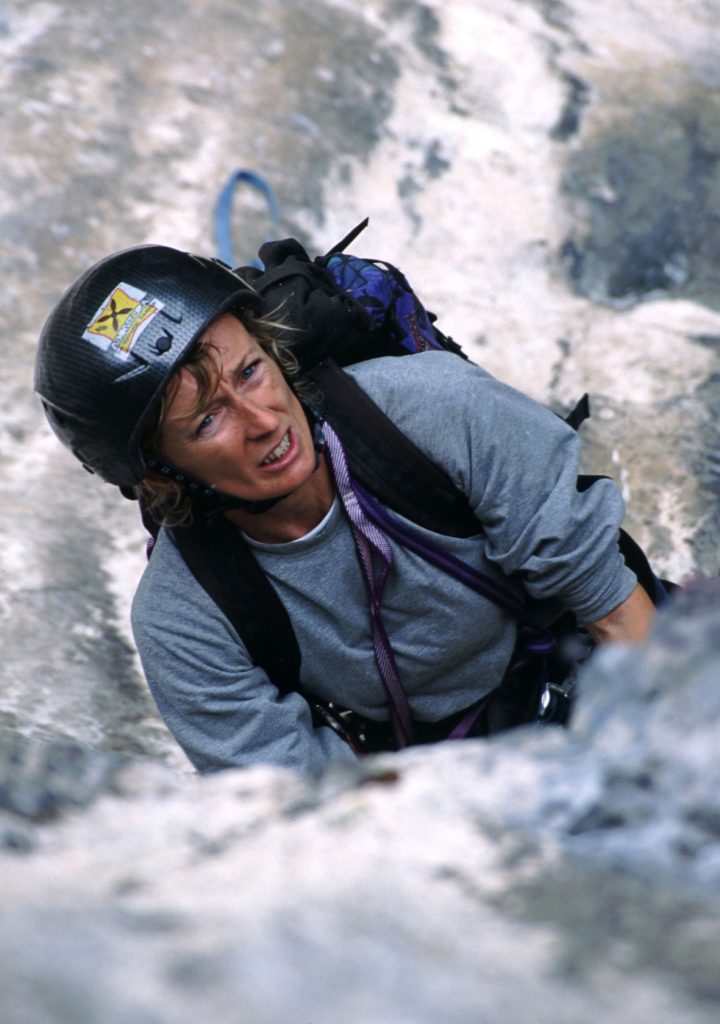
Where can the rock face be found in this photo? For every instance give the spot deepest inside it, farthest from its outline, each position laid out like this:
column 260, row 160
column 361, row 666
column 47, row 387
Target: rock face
column 547, row 175
column 548, row 875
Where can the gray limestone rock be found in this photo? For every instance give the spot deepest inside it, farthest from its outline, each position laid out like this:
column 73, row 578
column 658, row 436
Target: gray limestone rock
column 38, row 780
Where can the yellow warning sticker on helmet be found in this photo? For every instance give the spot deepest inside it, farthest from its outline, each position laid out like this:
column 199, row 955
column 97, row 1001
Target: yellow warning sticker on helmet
column 121, row 319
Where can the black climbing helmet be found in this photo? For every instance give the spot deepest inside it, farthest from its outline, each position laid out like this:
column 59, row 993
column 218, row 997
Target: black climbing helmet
column 113, row 341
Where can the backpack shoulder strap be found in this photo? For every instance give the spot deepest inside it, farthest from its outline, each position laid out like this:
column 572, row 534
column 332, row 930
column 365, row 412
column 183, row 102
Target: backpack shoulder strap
column 386, row 462
column 224, row 565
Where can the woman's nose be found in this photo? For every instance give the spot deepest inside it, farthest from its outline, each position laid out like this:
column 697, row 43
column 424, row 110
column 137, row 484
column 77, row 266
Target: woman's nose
column 256, row 417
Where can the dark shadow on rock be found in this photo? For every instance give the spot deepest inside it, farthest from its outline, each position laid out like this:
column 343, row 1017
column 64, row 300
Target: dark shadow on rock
column 39, row 780
column 577, row 98
column 643, row 927
column 644, row 192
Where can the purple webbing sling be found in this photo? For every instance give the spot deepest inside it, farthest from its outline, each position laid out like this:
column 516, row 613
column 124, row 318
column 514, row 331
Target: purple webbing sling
column 535, row 640
column 368, row 539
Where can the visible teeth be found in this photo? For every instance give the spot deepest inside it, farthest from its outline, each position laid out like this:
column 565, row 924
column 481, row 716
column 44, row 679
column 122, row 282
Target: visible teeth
column 277, row 453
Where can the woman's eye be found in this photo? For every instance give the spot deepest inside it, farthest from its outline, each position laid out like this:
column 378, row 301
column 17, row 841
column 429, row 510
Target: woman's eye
column 249, row 370
column 204, row 424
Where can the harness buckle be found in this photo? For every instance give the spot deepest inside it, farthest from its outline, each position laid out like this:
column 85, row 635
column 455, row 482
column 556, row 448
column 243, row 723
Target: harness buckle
column 554, row 706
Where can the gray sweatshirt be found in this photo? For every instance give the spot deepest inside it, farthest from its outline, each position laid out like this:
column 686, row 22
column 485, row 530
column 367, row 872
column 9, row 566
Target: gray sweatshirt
column 516, row 461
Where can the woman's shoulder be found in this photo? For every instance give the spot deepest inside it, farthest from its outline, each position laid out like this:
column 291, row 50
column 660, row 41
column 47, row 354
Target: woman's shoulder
column 416, row 368
column 401, row 382
column 167, row 587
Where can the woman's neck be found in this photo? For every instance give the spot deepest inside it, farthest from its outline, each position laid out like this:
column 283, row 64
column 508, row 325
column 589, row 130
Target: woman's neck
column 293, row 516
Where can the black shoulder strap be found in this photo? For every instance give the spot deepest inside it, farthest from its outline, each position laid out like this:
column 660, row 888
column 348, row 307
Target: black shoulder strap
column 579, row 413
column 386, row 462
column 224, row 565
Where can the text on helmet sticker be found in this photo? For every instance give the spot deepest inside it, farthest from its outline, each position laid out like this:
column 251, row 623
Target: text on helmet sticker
column 121, row 319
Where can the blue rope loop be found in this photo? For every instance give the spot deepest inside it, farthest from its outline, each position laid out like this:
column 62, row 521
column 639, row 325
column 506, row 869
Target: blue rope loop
column 223, row 213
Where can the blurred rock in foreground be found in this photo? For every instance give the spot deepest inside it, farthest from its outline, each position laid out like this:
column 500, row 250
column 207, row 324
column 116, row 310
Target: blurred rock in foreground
column 545, row 876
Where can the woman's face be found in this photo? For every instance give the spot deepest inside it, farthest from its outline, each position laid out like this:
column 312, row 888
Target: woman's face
column 251, row 438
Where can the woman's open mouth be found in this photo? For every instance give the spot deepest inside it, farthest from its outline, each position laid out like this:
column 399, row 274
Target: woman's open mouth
column 278, row 452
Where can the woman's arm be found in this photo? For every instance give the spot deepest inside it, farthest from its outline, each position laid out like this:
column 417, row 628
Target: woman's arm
column 223, row 711
column 628, row 623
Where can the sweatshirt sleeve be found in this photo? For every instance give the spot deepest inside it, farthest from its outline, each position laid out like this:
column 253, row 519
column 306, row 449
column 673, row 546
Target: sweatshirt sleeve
column 223, row 711
column 518, row 464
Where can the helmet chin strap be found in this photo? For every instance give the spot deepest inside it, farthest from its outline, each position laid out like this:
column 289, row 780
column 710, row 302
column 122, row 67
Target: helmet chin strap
column 211, row 503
